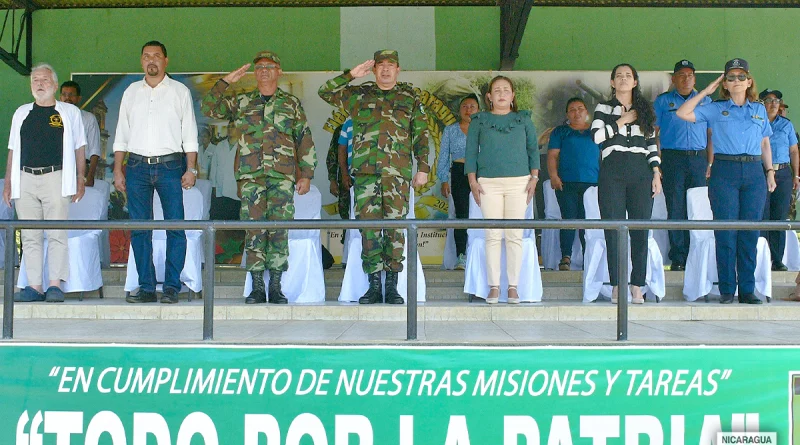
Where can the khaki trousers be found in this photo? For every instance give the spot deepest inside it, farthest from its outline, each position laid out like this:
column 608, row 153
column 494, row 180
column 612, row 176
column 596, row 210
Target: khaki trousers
column 40, row 198
column 504, row 198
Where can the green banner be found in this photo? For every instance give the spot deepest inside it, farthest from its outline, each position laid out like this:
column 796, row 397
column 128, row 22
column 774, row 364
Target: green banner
column 184, row 395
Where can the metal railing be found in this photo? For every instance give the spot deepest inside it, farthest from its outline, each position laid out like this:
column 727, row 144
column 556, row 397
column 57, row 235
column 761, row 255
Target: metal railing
column 412, row 226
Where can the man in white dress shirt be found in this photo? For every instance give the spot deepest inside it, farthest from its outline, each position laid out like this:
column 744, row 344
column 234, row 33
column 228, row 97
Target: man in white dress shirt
column 71, row 94
column 158, row 132
column 44, row 172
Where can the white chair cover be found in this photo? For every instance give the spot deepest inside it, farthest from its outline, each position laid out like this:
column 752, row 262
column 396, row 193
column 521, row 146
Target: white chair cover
column 104, row 187
column 661, row 236
column 355, row 282
column 192, row 274
column 595, row 271
column 476, row 282
column 6, row 212
column 204, row 185
column 450, row 255
column 551, row 239
column 83, row 247
column 304, row 282
column 791, row 254
column 701, row 276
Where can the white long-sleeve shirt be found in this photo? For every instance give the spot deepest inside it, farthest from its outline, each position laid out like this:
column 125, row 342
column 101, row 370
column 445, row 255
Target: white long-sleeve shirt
column 156, row 121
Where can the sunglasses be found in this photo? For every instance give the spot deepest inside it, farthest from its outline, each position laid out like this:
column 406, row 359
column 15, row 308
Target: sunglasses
column 735, row 77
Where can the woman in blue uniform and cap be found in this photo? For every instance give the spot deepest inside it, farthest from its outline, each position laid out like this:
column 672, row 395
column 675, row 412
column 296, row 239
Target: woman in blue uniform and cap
column 740, row 134
column 785, row 163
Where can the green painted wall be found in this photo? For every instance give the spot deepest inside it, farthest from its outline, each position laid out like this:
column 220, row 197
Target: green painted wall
column 467, row 38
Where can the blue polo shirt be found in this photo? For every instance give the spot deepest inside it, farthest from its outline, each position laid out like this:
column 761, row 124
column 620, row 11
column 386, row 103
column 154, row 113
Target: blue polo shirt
column 735, row 130
column 346, row 139
column 674, row 132
column 783, row 137
column 579, row 156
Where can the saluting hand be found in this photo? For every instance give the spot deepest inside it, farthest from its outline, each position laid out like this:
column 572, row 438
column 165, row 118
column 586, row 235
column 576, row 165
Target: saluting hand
column 709, row 90
column 234, row 76
column 363, row 69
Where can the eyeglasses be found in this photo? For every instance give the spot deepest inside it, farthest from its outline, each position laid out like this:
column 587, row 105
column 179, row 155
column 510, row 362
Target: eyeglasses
column 771, row 100
column 735, row 77
column 265, row 67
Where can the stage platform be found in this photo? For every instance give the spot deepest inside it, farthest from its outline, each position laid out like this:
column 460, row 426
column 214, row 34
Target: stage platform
column 447, row 316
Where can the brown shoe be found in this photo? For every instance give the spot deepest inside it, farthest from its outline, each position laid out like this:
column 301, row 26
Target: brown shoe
column 513, row 296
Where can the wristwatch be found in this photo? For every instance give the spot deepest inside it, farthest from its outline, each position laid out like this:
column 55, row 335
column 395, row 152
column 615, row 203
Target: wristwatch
column 194, row 171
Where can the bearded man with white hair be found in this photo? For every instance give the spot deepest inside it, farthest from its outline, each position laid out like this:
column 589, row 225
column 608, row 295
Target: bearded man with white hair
column 44, row 172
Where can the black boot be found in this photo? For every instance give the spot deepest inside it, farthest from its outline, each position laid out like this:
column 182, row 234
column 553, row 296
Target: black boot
column 258, row 294
column 373, row 294
column 275, row 294
column 392, row 296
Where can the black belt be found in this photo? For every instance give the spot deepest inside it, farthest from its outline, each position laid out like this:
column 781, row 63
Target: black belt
column 738, row 158
column 41, row 170
column 777, row 167
column 686, row 152
column 156, row 159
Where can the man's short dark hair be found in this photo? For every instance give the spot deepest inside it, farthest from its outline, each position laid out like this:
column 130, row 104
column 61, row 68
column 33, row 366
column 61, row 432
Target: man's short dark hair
column 71, row 84
column 155, row 43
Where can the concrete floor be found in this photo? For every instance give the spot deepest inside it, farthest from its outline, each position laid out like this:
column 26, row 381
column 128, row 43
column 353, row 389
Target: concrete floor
column 392, row 332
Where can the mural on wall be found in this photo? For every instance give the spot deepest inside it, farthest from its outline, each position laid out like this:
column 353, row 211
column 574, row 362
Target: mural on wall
column 545, row 93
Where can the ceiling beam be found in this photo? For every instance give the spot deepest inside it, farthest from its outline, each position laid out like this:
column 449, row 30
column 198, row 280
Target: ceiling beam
column 513, row 19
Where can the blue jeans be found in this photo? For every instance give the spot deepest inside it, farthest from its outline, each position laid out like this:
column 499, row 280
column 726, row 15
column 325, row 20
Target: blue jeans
column 681, row 172
column 570, row 201
column 777, row 208
column 737, row 191
column 142, row 179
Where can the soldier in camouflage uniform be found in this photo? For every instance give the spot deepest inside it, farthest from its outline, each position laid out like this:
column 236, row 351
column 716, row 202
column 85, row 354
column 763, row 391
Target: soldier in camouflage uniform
column 275, row 156
column 388, row 126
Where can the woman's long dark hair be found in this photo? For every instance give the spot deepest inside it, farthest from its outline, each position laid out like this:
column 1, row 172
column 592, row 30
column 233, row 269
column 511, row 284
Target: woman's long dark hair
column 645, row 115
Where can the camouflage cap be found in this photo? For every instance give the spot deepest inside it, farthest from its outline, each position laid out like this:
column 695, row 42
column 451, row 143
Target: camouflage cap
column 387, row 54
column 269, row 55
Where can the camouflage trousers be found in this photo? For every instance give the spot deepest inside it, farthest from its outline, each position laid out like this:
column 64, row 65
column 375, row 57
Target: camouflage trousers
column 267, row 199
column 344, row 201
column 381, row 197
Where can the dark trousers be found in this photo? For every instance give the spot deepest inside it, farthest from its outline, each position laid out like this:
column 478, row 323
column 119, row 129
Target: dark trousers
column 142, row 180
column 736, row 191
column 625, row 184
column 225, row 208
column 570, row 200
column 681, row 172
column 459, row 187
column 776, row 208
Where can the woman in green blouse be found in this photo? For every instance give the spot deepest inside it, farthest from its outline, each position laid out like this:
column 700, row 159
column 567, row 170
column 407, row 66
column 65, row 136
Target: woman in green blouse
column 502, row 165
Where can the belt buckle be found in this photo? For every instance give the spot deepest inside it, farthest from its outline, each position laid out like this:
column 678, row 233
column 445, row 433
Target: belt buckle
column 776, row 166
column 151, row 158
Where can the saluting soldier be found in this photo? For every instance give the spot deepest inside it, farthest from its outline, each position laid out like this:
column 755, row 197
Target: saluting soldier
column 273, row 148
column 388, row 127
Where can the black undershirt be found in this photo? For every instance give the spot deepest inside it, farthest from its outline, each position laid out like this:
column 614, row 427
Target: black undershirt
column 42, row 138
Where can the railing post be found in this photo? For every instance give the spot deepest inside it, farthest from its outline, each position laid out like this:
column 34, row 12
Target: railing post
column 622, row 282
column 411, row 261
column 209, row 242
column 8, row 284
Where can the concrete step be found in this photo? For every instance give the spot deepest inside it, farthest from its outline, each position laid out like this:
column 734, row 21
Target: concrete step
column 115, row 309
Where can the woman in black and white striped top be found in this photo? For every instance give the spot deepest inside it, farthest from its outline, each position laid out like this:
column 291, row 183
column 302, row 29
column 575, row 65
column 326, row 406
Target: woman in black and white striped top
column 629, row 169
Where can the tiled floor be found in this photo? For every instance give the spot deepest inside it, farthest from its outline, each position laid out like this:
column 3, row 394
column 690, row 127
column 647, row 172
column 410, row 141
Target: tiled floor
column 393, row 332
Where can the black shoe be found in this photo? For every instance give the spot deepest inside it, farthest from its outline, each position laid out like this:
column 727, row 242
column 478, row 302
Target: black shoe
column 726, row 299
column 142, row 297
column 749, row 299
column 373, row 294
column 392, row 296
column 778, row 266
column 677, row 267
column 275, row 294
column 170, row 296
column 258, row 295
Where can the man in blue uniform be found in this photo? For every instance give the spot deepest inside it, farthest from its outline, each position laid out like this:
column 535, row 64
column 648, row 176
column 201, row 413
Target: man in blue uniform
column 686, row 154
